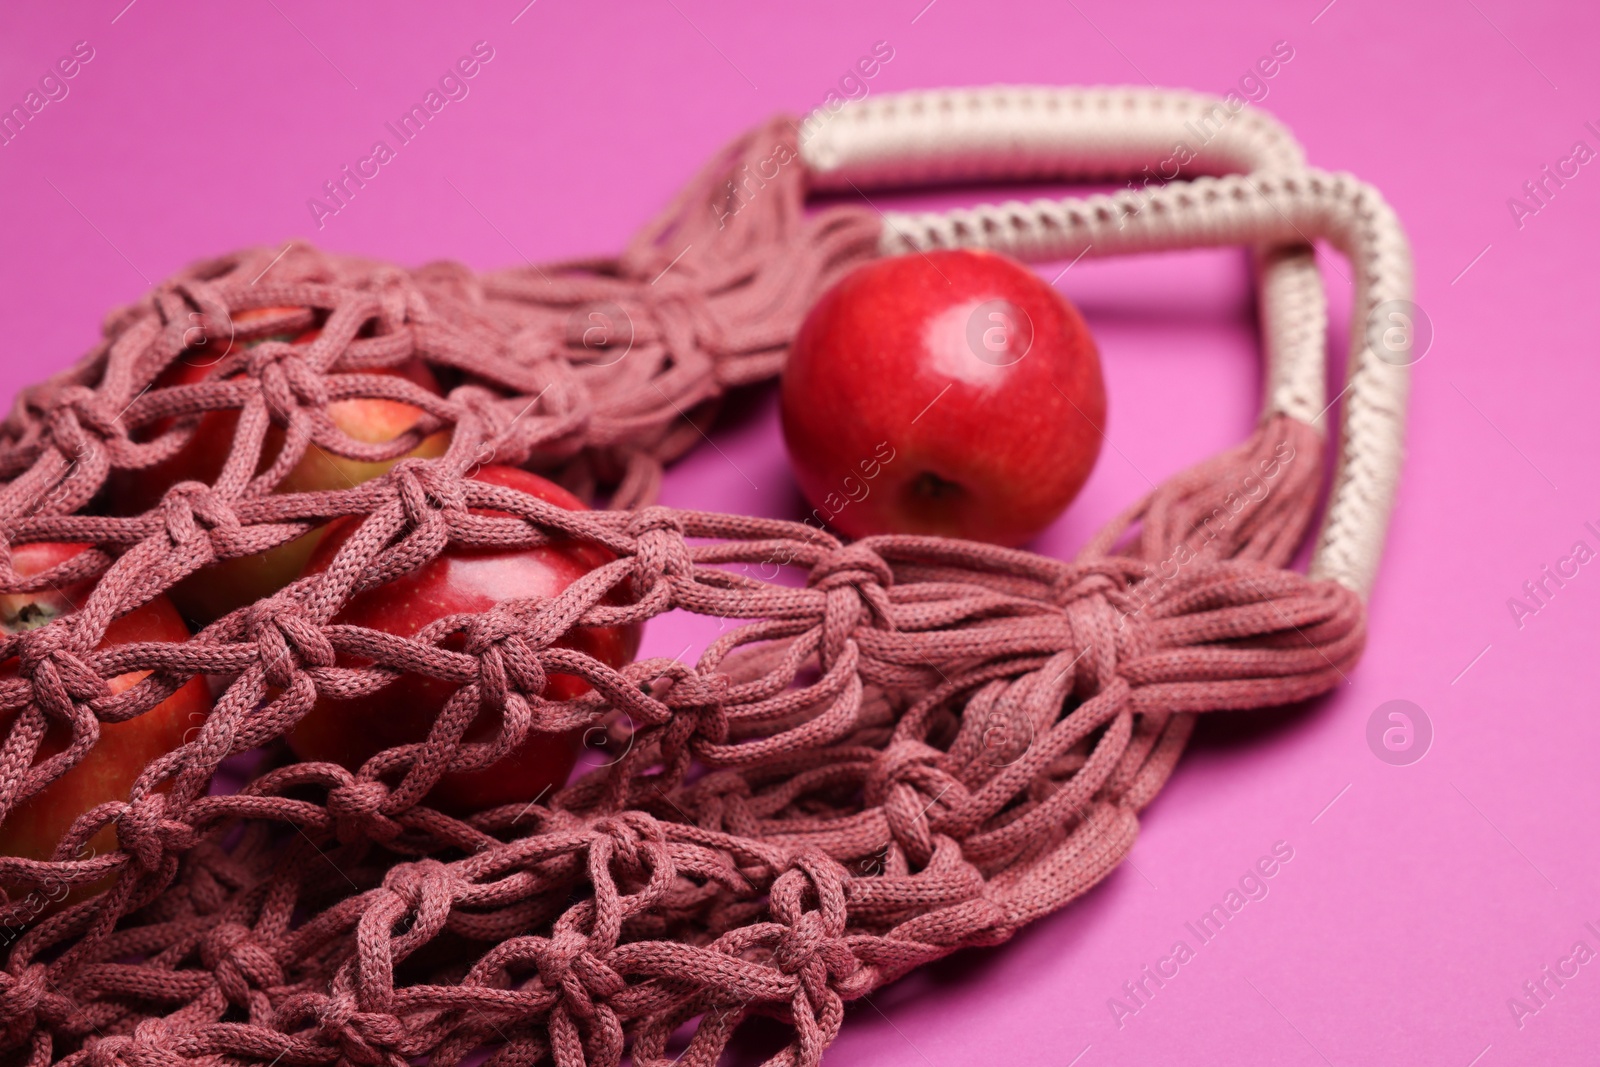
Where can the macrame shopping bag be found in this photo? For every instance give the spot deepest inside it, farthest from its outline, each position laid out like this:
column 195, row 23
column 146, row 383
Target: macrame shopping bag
column 923, row 745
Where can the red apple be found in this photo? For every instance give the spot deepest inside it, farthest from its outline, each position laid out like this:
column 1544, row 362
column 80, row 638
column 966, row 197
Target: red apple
column 350, row 732
column 219, row 589
column 35, row 826
column 951, row 393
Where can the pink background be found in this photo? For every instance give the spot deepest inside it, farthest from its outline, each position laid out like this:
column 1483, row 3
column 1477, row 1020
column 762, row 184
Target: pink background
column 1425, row 895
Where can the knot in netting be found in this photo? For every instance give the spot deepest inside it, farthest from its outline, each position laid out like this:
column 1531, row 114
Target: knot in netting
column 244, row 968
column 369, row 1038
column 357, row 810
column 289, row 382
column 287, row 642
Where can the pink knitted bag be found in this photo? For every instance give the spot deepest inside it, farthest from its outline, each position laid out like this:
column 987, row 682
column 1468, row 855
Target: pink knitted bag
column 905, row 746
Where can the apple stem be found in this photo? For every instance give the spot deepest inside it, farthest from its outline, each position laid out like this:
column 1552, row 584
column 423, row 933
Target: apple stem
column 932, row 487
column 30, row 616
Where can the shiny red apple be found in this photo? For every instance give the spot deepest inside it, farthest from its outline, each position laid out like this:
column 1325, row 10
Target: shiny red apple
column 34, row 827
column 459, row 580
column 219, row 589
column 952, row 393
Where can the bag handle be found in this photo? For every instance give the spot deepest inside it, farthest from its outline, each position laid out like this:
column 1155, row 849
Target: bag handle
column 1252, row 187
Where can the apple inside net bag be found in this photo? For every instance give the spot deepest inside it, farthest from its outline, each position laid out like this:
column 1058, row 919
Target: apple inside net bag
column 925, row 746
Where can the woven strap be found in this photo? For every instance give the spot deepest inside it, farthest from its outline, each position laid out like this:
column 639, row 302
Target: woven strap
column 1253, row 189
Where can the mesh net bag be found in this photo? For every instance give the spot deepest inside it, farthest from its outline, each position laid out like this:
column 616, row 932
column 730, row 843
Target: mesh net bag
column 901, row 746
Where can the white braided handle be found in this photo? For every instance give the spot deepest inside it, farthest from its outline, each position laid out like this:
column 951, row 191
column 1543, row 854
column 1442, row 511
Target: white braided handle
column 1266, row 197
